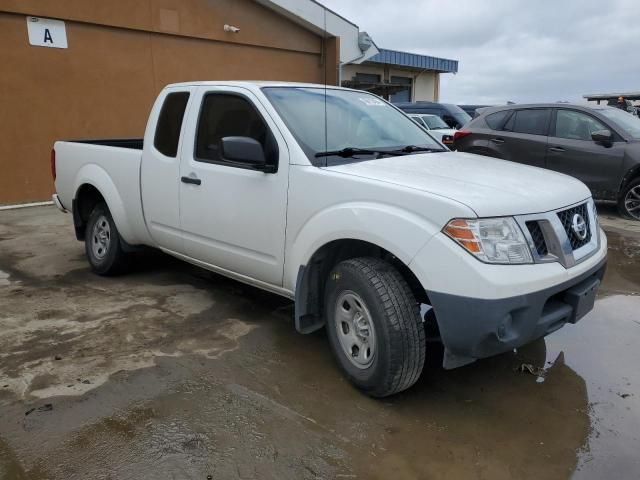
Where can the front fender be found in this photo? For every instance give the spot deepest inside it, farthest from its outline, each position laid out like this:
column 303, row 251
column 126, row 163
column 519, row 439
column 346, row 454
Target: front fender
column 398, row 231
column 97, row 177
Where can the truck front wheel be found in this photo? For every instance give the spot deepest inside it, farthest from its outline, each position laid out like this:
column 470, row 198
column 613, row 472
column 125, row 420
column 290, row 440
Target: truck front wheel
column 374, row 326
column 102, row 242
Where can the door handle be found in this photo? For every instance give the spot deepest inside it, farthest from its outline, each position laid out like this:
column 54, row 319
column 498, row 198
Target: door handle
column 556, row 149
column 191, row 180
column 497, row 140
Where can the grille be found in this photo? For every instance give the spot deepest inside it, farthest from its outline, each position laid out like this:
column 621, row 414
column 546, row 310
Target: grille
column 538, row 238
column 566, row 218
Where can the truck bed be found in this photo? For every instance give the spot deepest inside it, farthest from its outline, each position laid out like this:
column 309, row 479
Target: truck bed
column 112, row 166
column 133, row 143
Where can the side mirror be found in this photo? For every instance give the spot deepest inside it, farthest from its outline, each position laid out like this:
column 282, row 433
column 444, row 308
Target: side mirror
column 602, row 136
column 244, row 150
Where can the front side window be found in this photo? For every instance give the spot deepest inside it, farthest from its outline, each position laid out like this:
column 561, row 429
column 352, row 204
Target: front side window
column 224, row 115
column 575, row 125
column 626, row 121
column 323, row 120
column 170, row 122
column 530, row 121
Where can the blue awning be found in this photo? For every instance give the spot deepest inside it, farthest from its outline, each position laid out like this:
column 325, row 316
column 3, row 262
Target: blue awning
column 413, row 60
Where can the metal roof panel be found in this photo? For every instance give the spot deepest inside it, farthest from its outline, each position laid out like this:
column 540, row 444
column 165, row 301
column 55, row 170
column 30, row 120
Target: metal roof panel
column 414, row 60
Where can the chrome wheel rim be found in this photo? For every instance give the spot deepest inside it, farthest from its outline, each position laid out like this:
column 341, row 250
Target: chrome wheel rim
column 101, row 237
column 632, row 202
column 355, row 329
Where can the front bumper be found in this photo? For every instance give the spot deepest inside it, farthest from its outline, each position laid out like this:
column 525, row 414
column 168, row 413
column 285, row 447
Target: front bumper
column 473, row 328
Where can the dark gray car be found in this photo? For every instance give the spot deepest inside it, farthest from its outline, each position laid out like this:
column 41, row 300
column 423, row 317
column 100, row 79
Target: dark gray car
column 597, row 144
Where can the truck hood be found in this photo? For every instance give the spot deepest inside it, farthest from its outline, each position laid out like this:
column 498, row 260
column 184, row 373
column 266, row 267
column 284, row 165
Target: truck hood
column 489, row 186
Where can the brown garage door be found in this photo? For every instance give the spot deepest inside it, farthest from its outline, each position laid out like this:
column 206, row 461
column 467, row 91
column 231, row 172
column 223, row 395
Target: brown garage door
column 104, row 83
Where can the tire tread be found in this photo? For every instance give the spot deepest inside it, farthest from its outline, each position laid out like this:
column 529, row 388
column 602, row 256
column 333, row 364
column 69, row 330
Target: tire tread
column 408, row 345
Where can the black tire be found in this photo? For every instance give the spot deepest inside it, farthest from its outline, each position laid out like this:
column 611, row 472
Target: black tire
column 400, row 347
column 627, row 199
column 110, row 259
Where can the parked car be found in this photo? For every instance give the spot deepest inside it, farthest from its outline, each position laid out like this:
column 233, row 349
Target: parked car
column 360, row 225
column 599, row 145
column 436, row 126
column 453, row 115
column 472, row 110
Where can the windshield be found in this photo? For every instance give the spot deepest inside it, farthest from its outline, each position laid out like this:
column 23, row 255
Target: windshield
column 434, row 122
column 626, row 121
column 354, row 120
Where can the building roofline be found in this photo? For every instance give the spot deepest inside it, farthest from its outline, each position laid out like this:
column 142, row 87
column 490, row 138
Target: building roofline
column 418, row 54
column 414, row 61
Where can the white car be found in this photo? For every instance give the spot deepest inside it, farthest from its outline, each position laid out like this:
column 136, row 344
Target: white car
column 364, row 225
column 436, row 126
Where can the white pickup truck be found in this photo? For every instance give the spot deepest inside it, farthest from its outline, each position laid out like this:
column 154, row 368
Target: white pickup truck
column 336, row 199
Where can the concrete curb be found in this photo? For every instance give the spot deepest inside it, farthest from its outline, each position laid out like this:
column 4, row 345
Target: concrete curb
column 25, row 205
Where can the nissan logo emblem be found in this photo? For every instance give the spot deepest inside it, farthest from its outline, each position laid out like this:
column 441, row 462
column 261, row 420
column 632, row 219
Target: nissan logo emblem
column 579, row 226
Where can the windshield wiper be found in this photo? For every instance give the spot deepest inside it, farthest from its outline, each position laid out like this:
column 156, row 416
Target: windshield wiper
column 349, row 152
column 414, row 149
column 352, row 151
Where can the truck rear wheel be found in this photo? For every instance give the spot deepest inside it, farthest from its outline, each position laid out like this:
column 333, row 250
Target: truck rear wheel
column 102, row 242
column 374, row 326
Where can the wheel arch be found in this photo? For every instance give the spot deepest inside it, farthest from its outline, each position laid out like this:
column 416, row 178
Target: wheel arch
column 86, row 198
column 93, row 184
column 632, row 174
column 310, row 282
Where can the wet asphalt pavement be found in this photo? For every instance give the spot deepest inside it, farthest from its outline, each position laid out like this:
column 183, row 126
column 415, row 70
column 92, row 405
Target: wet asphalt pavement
column 171, row 372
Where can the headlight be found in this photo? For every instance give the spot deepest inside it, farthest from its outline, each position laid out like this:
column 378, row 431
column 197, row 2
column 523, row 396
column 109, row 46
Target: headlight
column 491, row 240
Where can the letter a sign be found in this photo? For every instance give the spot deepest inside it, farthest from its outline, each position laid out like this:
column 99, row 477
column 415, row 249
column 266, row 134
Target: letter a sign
column 45, row 32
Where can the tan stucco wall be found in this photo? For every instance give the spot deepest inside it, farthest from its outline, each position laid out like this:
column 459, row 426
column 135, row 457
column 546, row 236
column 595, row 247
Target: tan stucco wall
column 424, row 83
column 121, row 53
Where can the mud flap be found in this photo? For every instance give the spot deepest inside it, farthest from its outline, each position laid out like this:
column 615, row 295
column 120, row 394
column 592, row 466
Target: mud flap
column 308, row 313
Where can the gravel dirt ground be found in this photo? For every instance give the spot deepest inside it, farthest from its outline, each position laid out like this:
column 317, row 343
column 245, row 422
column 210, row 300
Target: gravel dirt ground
column 171, row 372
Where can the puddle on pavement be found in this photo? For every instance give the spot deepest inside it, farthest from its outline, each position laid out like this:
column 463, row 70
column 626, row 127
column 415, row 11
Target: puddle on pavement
column 603, row 350
column 623, row 265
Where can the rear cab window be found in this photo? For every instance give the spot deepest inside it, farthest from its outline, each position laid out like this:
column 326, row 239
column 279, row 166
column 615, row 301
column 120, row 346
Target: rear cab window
column 169, row 123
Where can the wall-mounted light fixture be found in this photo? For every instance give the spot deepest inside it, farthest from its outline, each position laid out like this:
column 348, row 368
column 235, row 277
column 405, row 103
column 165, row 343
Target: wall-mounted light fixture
column 231, row 28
